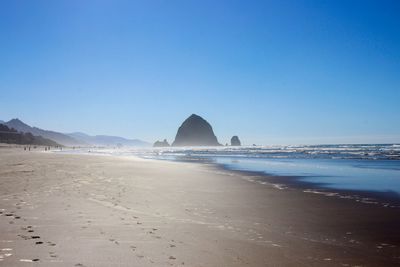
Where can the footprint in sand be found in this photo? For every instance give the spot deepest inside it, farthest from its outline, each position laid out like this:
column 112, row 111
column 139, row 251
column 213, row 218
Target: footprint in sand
column 28, row 229
column 28, row 260
column 114, row 241
column 24, row 237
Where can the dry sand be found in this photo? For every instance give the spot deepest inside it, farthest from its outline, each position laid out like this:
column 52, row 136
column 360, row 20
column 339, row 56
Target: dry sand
column 79, row 210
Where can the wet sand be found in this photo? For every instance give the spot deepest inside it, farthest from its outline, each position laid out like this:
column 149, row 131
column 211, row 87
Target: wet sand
column 84, row 210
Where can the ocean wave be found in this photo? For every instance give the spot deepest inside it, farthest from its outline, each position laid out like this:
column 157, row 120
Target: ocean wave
column 365, row 152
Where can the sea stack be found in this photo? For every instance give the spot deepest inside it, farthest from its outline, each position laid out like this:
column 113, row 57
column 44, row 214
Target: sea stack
column 195, row 131
column 235, row 141
column 161, row 143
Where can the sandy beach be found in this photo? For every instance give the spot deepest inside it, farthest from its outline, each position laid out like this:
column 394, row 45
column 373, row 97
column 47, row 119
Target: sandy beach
column 86, row 210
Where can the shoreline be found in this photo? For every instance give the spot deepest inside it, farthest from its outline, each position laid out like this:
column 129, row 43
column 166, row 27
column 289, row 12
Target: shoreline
column 90, row 210
column 383, row 198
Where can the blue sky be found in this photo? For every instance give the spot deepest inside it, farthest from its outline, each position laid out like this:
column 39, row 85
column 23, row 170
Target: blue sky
column 272, row 72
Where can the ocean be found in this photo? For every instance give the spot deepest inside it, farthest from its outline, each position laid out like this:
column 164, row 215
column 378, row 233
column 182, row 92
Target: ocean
column 364, row 168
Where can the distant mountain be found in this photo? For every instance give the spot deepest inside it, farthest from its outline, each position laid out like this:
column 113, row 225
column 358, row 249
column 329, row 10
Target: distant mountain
column 106, row 140
column 60, row 138
column 75, row 139
column 1, row 122
column 12, row 136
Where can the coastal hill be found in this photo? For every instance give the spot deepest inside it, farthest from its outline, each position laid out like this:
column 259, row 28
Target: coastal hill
column 107, row 140
column 12, row 136
column 195, row 131
column 55, row 136
column 75, row 139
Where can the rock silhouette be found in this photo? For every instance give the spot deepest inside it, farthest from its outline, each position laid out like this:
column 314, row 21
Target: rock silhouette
column 195, row 131
column 161, row 143
column 235, row 141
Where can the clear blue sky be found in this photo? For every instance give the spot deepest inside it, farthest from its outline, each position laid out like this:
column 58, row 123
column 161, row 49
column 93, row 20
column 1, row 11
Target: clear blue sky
column 272, row 72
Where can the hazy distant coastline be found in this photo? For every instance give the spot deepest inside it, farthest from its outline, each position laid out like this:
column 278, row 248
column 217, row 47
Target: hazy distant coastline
column 75, row 139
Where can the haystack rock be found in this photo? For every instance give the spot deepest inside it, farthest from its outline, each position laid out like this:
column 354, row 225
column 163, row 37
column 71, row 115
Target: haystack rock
column 161, row 143
column 195, row 131
column 235, row 141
